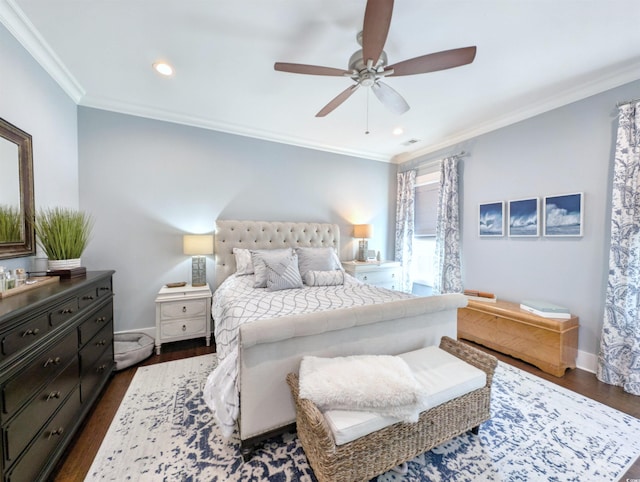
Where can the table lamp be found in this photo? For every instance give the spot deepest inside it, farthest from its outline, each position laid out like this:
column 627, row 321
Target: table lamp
column 198, row 245
column 362, row 231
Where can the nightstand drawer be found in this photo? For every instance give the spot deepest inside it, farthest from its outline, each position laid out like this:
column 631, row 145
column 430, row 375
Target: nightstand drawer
column 385, row 275
column 177, row 328
column 183, row 309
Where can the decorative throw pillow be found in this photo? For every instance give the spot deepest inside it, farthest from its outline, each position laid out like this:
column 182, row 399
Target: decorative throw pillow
column 283, row 274
column 317, row 259
column 243, row 261
column 333, row 277
column 259, row 257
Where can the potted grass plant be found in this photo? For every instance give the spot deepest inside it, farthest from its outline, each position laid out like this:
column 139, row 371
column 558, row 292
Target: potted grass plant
column 63, row 234
column 10, row 224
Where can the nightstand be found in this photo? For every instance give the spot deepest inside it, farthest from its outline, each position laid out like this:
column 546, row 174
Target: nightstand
column 182, row 314
column 385, row 274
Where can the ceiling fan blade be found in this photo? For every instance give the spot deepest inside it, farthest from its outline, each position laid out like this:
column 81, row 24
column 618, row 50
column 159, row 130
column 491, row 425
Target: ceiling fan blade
column 446, row 59
column 339, row 99
column 377, row 18
column 390, row 98
column 310, row 69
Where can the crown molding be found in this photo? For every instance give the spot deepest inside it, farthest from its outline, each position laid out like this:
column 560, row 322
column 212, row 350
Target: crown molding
column 14, row 19
column 608, row 81
column 228, row 128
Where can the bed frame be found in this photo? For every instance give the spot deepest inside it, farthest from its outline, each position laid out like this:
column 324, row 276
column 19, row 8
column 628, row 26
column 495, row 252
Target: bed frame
column 270, row 349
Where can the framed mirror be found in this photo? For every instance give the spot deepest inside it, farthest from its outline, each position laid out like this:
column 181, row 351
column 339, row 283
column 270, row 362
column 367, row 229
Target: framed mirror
column 17, row 237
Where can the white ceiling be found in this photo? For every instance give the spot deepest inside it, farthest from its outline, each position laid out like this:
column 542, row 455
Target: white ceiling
column 533, row 56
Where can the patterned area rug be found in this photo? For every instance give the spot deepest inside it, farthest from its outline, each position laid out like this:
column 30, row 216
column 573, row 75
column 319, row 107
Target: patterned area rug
column 538, row 431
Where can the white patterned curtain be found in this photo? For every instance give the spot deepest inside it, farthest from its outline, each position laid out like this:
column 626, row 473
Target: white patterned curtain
column 619, row 358
column 448, row 276
column 405, row 201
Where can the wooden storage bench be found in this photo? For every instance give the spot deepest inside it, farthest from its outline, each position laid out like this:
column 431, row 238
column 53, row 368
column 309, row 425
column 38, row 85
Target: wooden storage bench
column 381, row 450
column 550, row 344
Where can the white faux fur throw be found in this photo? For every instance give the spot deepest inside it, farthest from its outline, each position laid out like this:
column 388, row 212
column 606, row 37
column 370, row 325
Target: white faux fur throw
column 382, row 384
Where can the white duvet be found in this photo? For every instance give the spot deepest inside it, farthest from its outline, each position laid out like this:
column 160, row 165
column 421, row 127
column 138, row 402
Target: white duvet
column 236, row 302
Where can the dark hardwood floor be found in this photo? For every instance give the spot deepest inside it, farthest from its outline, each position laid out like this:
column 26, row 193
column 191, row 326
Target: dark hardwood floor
column 83, row 449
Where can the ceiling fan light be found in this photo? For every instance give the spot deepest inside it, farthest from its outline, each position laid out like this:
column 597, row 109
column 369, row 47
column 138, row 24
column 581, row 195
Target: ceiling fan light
column 163, row 68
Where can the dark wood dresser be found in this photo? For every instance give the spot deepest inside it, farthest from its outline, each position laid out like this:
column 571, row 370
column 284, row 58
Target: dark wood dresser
column 56, row 355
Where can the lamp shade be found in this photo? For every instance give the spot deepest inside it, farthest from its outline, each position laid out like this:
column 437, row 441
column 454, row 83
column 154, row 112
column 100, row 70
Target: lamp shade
column 197, row 244
column 364, row 231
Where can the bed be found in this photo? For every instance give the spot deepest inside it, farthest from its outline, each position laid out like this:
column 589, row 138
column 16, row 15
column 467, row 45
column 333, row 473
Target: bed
column 262, row 333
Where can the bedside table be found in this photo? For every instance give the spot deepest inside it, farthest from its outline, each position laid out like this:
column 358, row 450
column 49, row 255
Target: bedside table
column 385, row 274
column 182, row 314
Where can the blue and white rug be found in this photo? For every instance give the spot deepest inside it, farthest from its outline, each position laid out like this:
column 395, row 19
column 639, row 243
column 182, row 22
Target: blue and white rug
column 538, row 432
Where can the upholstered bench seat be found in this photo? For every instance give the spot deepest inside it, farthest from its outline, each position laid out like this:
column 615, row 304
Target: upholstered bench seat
column 347, row 446
column 443, row 377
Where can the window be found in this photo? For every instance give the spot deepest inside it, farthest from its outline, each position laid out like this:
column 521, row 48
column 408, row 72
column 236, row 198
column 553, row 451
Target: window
column 424, row 235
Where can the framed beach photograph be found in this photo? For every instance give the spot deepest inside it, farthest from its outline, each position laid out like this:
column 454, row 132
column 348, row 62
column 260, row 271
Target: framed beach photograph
column 524, row 217
column 563, row 215
column 491, row 219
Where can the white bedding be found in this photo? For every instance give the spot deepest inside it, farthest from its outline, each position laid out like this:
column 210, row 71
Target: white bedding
column 236, row 302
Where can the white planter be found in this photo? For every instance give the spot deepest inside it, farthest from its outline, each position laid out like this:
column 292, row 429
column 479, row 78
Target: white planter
column 55, row 264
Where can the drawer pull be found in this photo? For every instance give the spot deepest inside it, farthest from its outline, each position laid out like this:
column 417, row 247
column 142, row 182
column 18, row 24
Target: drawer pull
column 184, row 327
column 101, row 343
column 184, row 309
column 52, row 361
column 365, row 278
column 393, row 275
column 66, row 311
column 104, row 288
column 88, row 297
column 53, row 395
column 101, row 368
column 101, row 319
column 33, row 332
column 56, row 432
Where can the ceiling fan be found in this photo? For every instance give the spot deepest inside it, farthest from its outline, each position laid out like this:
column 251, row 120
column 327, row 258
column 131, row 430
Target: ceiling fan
column 369, row 65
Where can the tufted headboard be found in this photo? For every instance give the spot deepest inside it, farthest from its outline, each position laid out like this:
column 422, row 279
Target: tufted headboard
column 267, row 235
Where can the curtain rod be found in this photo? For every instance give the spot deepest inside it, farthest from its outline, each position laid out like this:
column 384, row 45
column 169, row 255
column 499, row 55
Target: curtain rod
column 624, row 102
column 424, row 162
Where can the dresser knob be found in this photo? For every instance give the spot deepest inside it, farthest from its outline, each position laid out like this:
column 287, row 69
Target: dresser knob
column 365, row 278
column 57, row 432
column 184, row 309
column 89, row 297
column 52, row 361
column 184, row 327
column 66, row 311
column 53, row 395
column 33, row 332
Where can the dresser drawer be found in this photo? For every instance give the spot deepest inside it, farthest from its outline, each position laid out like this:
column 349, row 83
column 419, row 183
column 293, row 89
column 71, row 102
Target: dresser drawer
column 94, row 374
column 23, row 336
column 64, row 312
column 28, row 422
column 183, row 309
column 95, row 322
column 20, row 387
column 188, row 328
column 95, row 347
column 48, row 440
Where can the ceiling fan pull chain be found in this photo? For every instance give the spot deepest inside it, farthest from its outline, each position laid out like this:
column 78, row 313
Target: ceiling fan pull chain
column 367, row 131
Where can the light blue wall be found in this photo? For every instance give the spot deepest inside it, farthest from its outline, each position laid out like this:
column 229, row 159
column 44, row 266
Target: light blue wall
column 32, row 101
column 566, row 150
column 148, row 182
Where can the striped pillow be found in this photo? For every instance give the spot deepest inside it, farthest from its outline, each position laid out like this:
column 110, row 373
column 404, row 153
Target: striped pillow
column 283, row 274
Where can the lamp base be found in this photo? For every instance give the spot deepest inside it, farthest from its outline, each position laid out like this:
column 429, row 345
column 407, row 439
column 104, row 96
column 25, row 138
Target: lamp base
column 363, row 247
column 198, row 271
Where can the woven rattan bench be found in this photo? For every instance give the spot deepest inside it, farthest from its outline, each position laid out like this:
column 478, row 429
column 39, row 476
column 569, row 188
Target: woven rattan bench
column 382, row 450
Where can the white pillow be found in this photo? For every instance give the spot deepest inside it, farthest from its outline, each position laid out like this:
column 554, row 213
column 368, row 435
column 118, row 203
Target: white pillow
column 283, row 274
column 317, row 259
column 333, row 277
column 259, row 258
column 243, row 261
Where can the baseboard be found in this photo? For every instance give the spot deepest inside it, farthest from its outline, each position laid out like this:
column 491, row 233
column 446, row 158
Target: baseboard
column 147, row 331
column 587, row 361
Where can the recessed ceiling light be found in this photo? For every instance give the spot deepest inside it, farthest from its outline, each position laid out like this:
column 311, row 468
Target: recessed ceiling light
column 398, row 131
column 163, row 68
